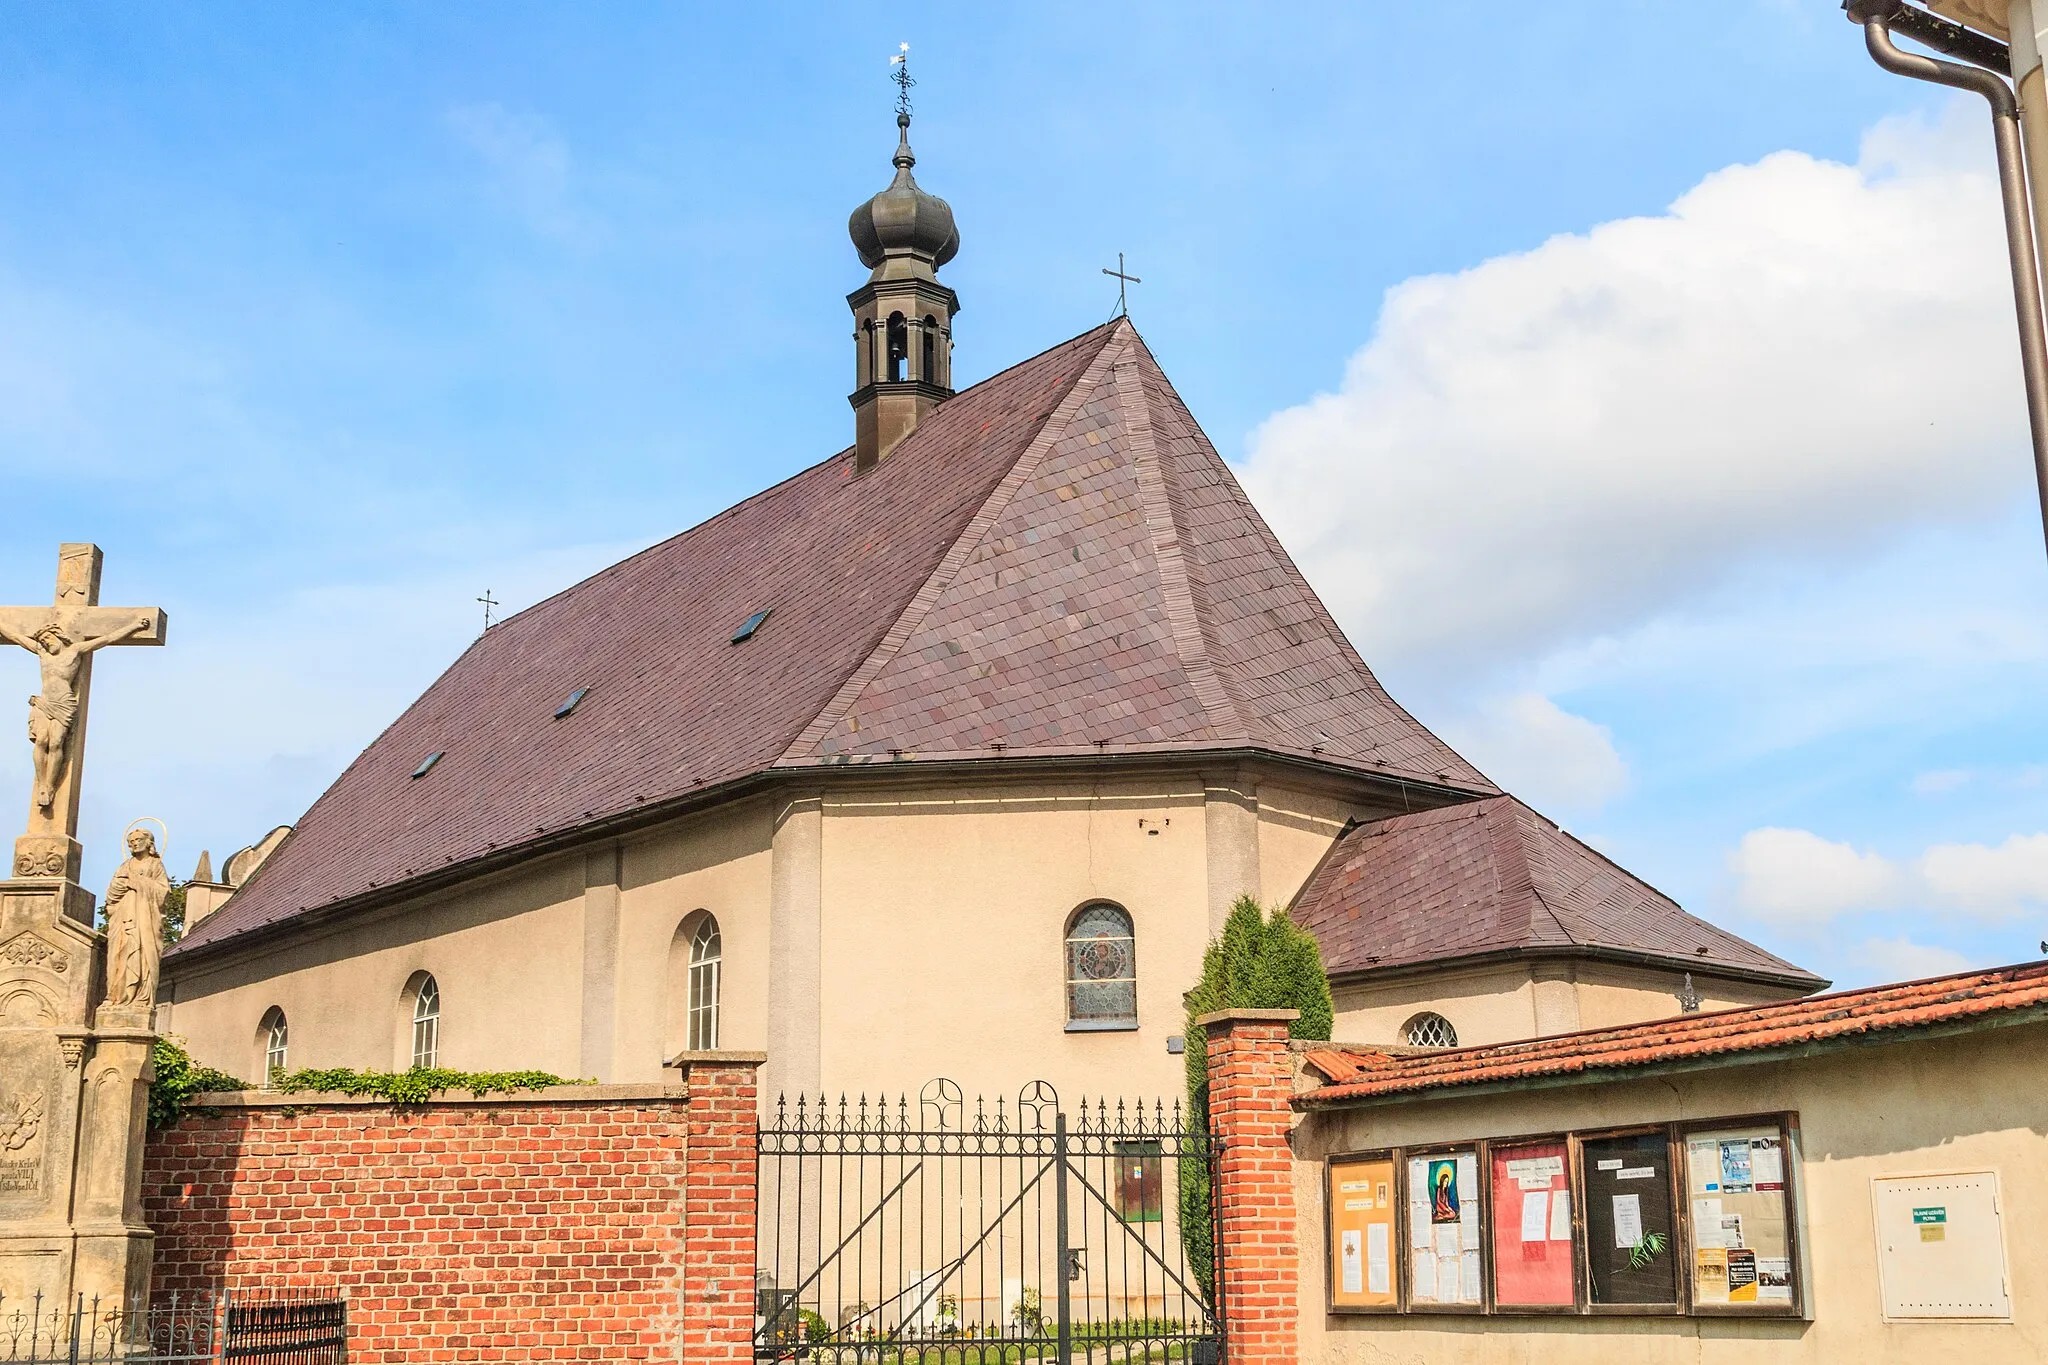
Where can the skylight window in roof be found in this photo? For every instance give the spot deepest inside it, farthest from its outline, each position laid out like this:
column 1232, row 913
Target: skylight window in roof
column 750, row 625
column 427, row 764
column 573, row 700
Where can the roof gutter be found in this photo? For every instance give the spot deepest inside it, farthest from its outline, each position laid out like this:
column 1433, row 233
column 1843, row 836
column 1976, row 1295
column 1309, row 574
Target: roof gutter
column 1993, row 60
column 1704, row 966
column 182, row 959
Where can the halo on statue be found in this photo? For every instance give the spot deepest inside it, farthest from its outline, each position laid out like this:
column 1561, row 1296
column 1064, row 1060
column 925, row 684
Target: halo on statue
column 163, row 838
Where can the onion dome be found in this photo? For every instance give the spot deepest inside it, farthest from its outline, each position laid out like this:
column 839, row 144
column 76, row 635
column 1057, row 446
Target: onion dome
column 903, row 218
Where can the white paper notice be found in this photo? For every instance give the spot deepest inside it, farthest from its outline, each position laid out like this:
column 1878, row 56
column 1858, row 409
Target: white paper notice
column 1468, row 1201
column 1418, row 1204
column 1354, row 1261
column 1766, row 1162
column 1423, row 1282
column 1561, row 1216
column 1535, row 1215
column 1377, row 1262
column 1612, row 1164
column 1468, row 1283
column 1706, row 1223
column 1447, row 1239
column 1628, row 1220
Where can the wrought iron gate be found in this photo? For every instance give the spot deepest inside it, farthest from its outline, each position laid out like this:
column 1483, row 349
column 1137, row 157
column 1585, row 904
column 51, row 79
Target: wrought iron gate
column 263, row 1327
column 893, row 1232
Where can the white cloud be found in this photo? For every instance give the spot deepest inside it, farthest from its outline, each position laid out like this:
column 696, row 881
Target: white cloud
column 1795, row 875
column 1566, row 442
column 1901, row 959
column 1940, row 782
column 1989, row 882
column 1541, row 752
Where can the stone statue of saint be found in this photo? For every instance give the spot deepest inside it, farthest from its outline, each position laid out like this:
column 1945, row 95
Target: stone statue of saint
column 53, row 714
column 135, row 904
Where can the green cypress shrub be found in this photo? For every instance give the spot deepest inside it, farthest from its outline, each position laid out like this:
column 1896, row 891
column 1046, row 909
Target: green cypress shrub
column 1258, row 962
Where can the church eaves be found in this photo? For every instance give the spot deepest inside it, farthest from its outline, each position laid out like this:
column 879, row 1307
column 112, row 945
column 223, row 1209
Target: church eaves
column 1493, row 879
column 1055, row 563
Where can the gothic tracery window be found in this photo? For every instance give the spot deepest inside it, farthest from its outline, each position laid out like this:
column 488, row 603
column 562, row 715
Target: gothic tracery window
column 1102, row 969
column 426, row 1023
column 707, row 958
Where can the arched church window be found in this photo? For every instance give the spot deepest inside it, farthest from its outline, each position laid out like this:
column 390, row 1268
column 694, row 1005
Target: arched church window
column 275, row 1035
column 899, row 346
column 1429, row 1030
column 1102, row 969
column 426, row 1021
column 707, row 958
column 930, row 371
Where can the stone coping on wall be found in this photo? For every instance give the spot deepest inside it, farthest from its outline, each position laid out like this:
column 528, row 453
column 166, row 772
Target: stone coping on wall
column 333, row 1099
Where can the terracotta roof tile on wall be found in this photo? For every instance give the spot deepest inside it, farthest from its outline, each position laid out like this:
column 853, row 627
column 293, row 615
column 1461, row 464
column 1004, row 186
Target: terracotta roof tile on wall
column 2008, row 993
column 1494, row 877
column 1055, row 561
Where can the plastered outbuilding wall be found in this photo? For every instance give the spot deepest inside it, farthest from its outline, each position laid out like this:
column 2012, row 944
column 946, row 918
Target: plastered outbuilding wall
column 1967, row 1102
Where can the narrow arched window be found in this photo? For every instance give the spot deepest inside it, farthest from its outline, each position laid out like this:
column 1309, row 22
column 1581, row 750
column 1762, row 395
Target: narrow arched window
column 1429, row 1030
column 929, row 373
column 707, row 957
column 899, row 346
column 426, row 1023
column 1102, row 969
column 275, row 1035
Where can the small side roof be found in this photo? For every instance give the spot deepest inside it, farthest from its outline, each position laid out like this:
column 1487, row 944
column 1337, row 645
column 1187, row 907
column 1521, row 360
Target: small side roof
column 2000, row 995
column 1493, row 878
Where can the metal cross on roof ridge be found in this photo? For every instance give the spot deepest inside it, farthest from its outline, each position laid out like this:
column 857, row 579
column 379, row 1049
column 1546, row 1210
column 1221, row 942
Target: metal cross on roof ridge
column 1123, row 282
column 489, row 603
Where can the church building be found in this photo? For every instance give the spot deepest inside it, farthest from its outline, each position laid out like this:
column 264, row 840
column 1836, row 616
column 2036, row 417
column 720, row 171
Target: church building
column 943, row 757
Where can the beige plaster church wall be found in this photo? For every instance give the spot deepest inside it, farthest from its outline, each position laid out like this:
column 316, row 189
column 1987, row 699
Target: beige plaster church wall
column 493, row 949
column 1506, row 1001
column 1296, row 828
column 1965, row 1103
column 944, row 923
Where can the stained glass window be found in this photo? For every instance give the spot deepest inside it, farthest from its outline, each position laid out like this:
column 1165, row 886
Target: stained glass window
column 1102, row 968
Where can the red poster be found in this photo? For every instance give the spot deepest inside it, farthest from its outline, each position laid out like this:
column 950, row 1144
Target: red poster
column 1532, row 1226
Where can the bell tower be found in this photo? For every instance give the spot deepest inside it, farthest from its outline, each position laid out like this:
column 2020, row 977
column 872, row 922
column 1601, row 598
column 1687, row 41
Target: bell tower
column 902, row 316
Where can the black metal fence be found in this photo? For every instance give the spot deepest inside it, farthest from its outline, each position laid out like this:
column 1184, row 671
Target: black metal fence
column 894, row 1231
column 271, row 1327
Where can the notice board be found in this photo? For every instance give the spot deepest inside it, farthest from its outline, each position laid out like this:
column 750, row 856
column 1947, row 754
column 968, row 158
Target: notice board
column 1444, row 1269
column 1740, row 1218
column 1364, row 1251
column 1941, row 1247
column 1631, row 1237
column 1532, row 1226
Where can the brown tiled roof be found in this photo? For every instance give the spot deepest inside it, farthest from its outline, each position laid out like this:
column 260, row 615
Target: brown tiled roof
column 1055, row 562
column 2004, row 994
column 1493, row 877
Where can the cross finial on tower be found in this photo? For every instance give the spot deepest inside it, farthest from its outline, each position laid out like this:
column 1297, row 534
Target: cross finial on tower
column 901, row 75
column 1123, row 281
column 490, row 603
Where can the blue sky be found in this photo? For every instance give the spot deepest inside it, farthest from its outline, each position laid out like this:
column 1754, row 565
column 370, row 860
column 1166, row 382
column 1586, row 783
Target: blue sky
column 1637, row 390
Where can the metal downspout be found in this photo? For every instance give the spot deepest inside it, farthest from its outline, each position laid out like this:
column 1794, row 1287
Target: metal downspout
column 1876, row 16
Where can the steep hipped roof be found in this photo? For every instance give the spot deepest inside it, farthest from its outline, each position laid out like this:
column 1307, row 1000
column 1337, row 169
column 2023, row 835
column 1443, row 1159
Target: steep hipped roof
column 1493, row 877
column 2001, row 995
column 1055, row 562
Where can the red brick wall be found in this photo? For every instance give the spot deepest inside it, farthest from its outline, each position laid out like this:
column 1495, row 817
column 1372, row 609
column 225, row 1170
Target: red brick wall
column 1251, row 1081
column 513, row 1229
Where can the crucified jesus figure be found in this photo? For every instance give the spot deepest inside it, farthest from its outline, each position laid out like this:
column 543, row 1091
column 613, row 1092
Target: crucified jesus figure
column 54, row 713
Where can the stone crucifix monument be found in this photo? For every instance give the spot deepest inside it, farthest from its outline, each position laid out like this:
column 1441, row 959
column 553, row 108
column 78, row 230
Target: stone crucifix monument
column 75, row 1006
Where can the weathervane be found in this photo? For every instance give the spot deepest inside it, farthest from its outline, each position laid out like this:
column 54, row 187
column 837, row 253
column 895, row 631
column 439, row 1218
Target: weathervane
column 901, row 75
column 1123, row 281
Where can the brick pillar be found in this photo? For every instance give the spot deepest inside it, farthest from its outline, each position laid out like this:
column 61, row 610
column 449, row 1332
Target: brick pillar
column 718, row 1206
column 1251, row 1080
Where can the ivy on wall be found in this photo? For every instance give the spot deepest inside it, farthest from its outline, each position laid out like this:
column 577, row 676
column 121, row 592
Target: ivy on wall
column 179, row 1078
